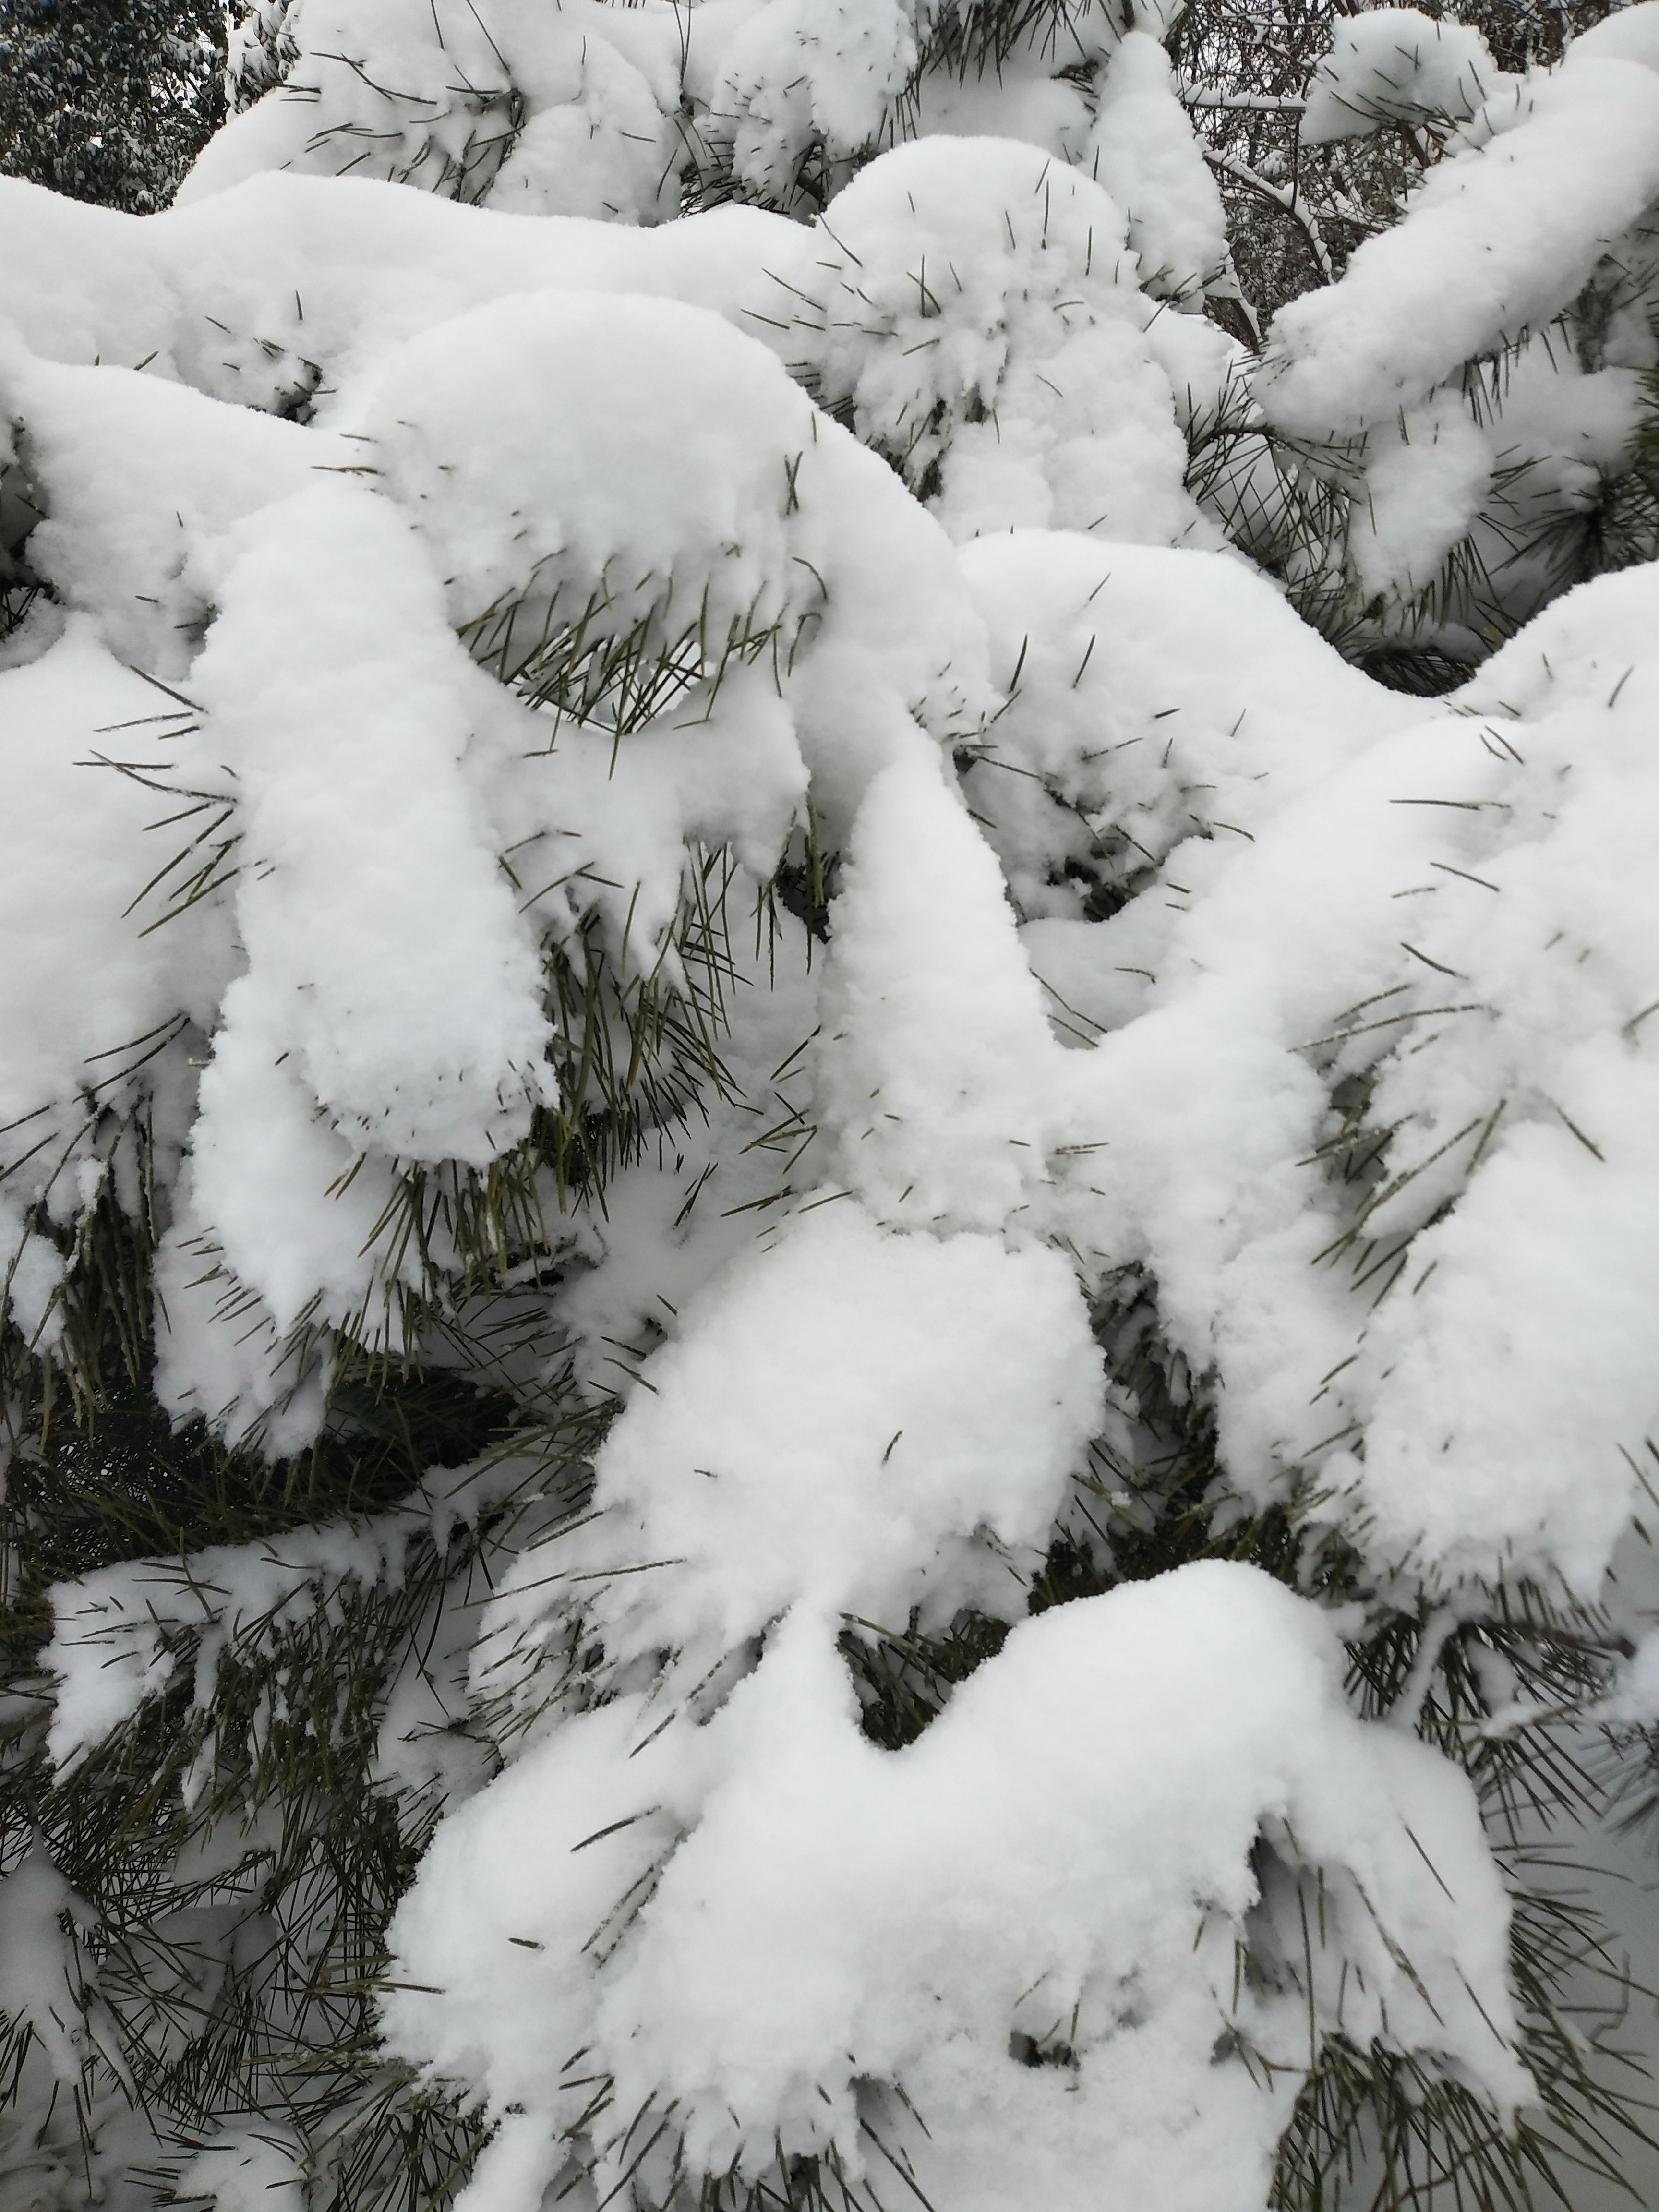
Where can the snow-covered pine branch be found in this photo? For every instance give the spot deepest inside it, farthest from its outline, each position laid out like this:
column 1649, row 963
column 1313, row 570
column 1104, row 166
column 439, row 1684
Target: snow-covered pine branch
column 828, row 1295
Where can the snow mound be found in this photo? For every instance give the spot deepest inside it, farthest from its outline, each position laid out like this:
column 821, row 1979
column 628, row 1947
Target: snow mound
column 762, row 1931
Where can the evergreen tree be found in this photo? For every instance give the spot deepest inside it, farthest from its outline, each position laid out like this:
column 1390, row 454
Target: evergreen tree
column 827, row 1298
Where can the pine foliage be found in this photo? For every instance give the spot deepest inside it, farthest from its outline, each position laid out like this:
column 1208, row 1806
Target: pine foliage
column 217, row 1872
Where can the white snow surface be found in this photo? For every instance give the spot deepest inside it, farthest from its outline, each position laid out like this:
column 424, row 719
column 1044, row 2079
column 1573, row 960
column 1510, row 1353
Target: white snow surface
column 1473, row 378
column 973, row 299
column 841, row 1382
column 592, row 110
column 1397, row 66
column 1488, row 979
column 1628, row 34
column 119, row 1633
column 1145, row 155
column 1496, row 239
column 39, row 1969
column 750, row 1923
column 594, row 89
column 368, row 776
column 256, row 2169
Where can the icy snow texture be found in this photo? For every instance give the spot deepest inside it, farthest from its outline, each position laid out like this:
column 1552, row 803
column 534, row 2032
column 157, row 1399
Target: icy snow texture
column 931, row 1071
column 1483, row 928
column 573, row 483
column 1153, row 693
column 1635, row 1698
column 66, row 719
column 425, row 980
column 39, row 1971
column 599, row 111
column 1629, row 34
column 259, row 2171
column 113, row 1631
column 1426, row 479
column 117, row 1633
column 274, row 294
column 371, row 775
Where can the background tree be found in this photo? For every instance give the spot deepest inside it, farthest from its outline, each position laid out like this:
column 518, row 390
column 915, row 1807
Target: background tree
column 109, row 102
column 593, row 1365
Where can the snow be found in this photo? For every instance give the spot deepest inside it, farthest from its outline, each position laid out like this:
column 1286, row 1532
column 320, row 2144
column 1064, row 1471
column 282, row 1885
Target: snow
column 330, row 679
column 472, row 110
column 1426, row 480
column 370, row 774
column 1468, row 384
column 1153, row 693
column 931, row 1068
column 790, row 73
column 1495, row 241
column 1397, row 66
column 259, row 2170
column 40, row 1970
column 822, row 1915
column 1629, row 34
column 1145, row 155
column 1023, row 100
column 979, row 295
column 123, row 460
column 78, row 741
column 451, row 598
column 595, row 111
column 1482, row 923
column 244, row 293
column 119, row 1633
column 841, row 1380
column 542, row 438
column 1635, row 1700
column 114, row 1632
